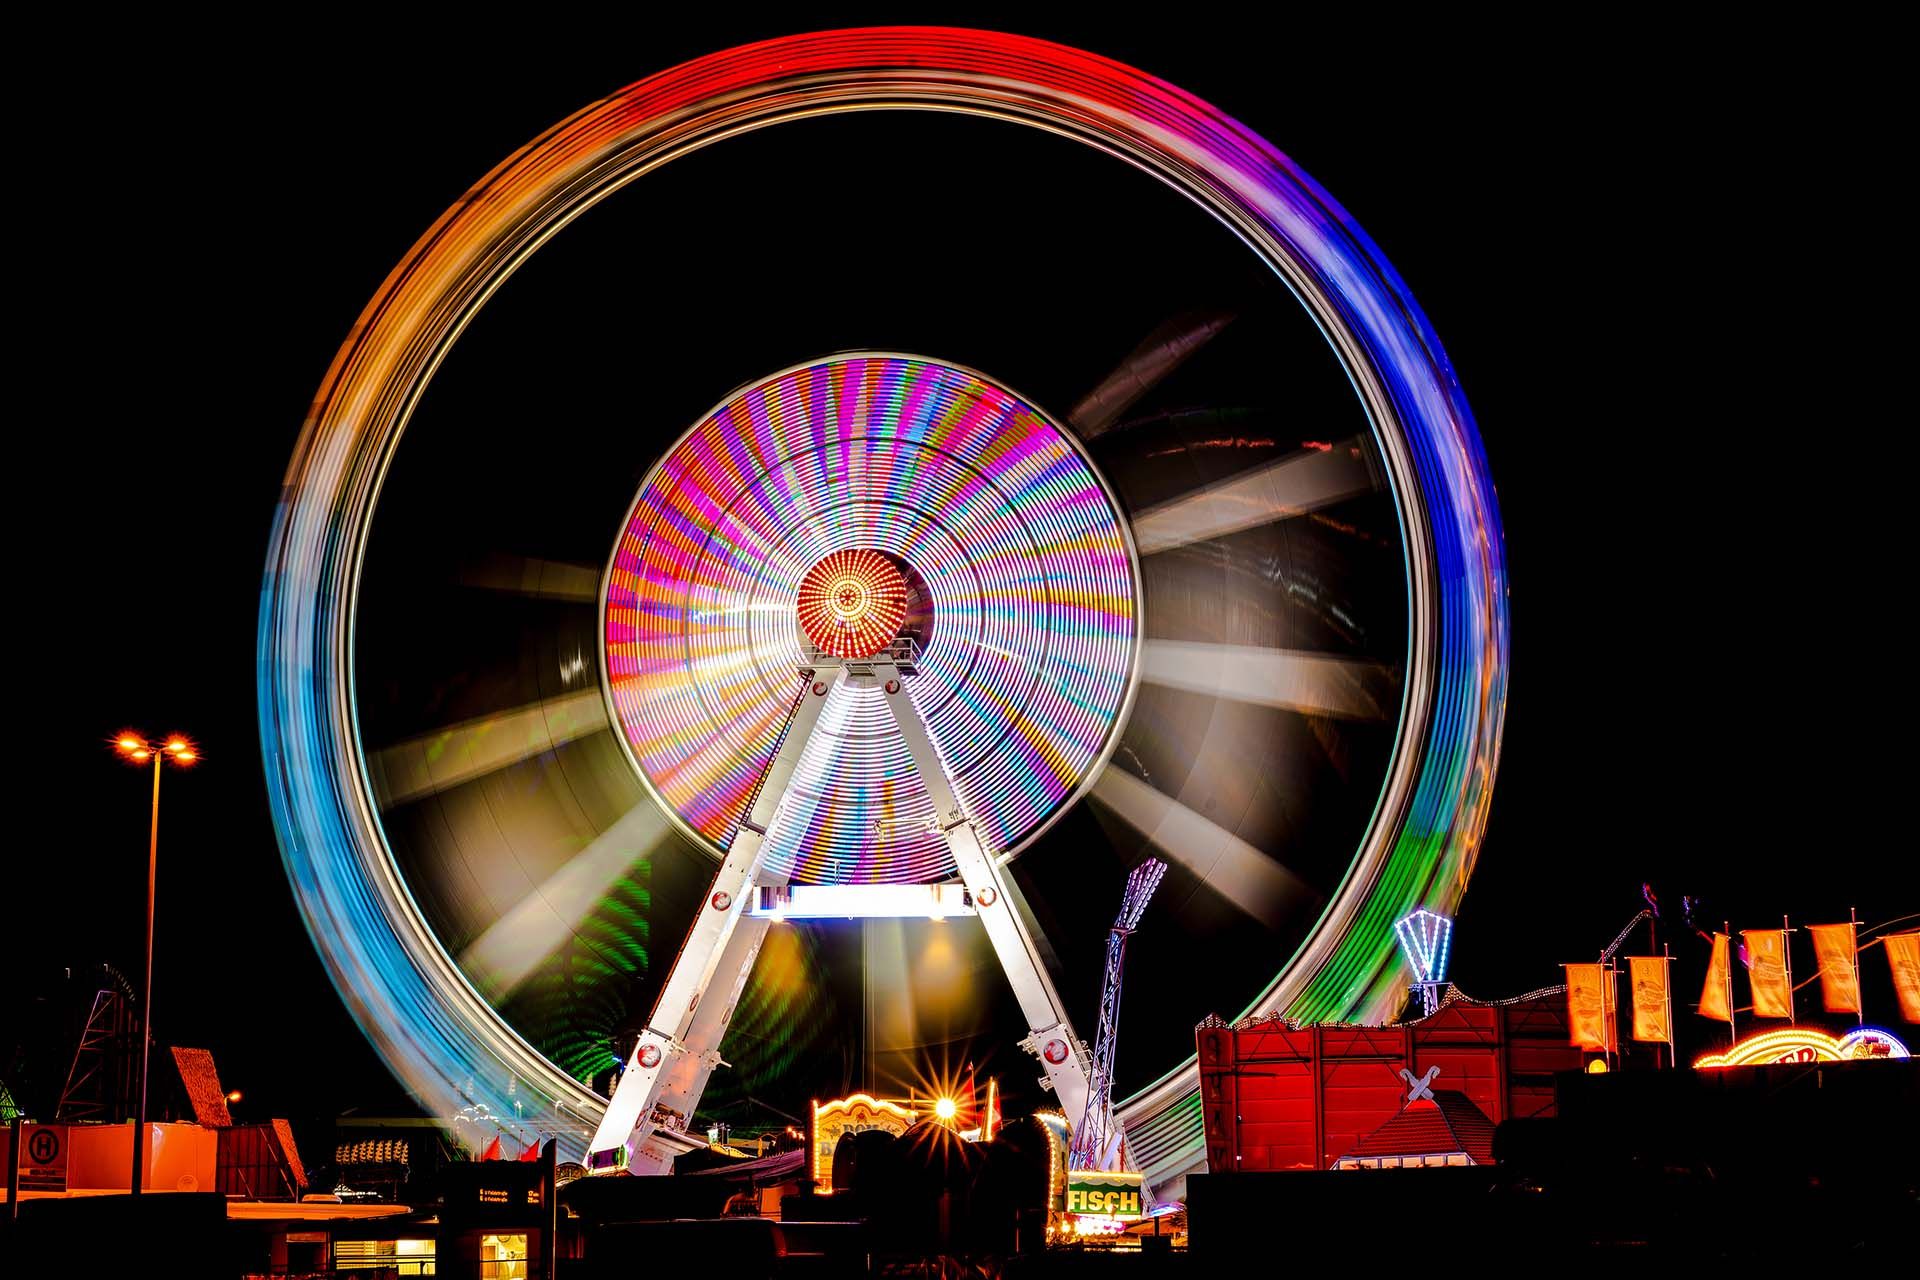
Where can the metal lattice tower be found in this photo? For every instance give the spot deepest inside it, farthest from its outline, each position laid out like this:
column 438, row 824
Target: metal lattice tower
column 1096, row 1145
column 97, row 1084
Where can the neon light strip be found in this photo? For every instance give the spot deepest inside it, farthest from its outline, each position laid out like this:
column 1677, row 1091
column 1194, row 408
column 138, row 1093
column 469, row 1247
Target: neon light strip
column 1425, row 937
column 862, row 902
column 1790, row 1044
column 438, row 1035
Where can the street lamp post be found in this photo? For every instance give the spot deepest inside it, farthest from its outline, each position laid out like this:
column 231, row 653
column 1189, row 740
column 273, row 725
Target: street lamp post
column 138, row 750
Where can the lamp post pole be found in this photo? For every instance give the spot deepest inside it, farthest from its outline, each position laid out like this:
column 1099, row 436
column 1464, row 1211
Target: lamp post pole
column 146, row 988
column 139, row 750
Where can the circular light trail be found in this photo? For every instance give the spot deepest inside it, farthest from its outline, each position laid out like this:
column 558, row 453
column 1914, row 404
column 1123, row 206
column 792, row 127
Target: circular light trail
column 852, row 603
column 816, row 481
column 453, row 1049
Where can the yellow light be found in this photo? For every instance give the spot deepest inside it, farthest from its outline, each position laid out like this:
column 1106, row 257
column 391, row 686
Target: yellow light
column 234, row 1096
column 129, row 742
column 184, row 757
column 176, row 745
column 945, row 1109
column 142, row 754
column 1598, row 1067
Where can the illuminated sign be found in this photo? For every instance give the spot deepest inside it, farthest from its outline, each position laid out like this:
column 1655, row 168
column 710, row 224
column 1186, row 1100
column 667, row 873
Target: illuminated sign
column 1804, row 1044
column 1107, row 1195
column 860, row 901
column 1426, row 938
column 834, row 1120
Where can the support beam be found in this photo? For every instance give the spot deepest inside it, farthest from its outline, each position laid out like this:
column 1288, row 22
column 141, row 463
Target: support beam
column 652, row 1108
column 679, row 1049
column 1051, row 1037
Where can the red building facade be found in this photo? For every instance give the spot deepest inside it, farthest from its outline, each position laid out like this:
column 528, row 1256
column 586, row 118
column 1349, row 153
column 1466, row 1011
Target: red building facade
column 1275, row 1096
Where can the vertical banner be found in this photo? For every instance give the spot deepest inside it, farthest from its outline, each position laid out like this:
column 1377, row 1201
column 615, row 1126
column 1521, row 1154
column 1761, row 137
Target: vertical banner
column 1651, row 998
column 1589, row 1006
column 1903, row 953
column 1767, row 972
column 1713, row 996
column 1839, row 984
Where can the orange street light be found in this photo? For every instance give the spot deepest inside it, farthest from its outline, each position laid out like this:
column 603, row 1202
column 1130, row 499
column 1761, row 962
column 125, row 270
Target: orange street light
column 139, row 750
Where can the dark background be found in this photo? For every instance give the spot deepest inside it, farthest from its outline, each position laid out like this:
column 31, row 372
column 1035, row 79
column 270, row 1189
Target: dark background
column 1654, row 262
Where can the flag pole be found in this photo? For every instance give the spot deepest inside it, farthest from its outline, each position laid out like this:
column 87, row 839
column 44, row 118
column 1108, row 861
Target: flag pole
column 1609, row 1017
column 1786, row 961
column 1606, row 1031
column 1666, row 972
column 1733, row 1032
column 1859, row 996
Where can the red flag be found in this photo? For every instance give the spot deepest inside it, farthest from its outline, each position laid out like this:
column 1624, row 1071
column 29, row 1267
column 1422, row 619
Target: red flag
column 1713, row 996
column 493, row 1149
column 1767, row 972
column 1903, row 954
column 1589, row 1006
column 965, row 1114
column 1839, row 986
column 532, row 1152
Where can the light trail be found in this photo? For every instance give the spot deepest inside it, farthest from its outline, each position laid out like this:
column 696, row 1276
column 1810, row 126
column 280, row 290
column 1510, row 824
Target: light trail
column 1161, row 352
column 462, row 752
column 1279, row 491
column 1241, row 874
column 1314, row 683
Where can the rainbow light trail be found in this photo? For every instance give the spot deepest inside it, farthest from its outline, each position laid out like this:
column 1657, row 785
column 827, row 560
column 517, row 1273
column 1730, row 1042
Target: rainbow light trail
column 1031, row 582
column 435, row 1031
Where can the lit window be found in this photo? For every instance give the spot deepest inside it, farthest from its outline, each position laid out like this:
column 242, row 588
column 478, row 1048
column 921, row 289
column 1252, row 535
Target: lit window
column 503, row 1257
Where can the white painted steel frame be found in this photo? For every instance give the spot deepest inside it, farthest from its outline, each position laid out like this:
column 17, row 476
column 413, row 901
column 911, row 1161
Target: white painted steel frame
column 653, row 1104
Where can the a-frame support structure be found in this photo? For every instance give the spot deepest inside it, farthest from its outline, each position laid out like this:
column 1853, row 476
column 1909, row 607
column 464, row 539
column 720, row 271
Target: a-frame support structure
column 648, row 1119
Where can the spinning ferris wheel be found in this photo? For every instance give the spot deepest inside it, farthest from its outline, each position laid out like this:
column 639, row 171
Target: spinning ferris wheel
column 898, row 555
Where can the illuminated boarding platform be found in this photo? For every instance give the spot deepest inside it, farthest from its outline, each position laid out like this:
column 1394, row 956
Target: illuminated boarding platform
column 901, row 653
column 861, row 901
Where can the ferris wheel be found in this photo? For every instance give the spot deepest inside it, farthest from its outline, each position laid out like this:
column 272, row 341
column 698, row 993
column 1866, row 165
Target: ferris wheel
column 984, row 467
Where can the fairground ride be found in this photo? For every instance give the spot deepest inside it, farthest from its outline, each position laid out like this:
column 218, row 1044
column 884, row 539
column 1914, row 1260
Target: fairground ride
column 905, row 475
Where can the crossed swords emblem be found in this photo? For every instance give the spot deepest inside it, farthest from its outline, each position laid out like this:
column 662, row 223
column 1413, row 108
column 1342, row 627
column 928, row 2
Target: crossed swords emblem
column 1419, row 1086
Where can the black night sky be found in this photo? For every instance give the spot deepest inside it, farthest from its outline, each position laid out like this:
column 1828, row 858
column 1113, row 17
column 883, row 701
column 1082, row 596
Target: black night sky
column 1651, row 270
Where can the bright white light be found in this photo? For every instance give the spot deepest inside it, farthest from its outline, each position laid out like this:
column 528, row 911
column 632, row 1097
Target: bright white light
column 860, row 902
column 1425, row 937
column 945, row 1108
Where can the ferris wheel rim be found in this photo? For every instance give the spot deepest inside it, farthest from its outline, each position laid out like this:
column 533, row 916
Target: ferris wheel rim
column 302, row 636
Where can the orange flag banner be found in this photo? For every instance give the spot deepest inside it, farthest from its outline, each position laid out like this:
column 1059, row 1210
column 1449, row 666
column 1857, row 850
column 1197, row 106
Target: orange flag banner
column 1903, row 953
column 1589, row 1007
column 1767, row 972
column 1839, row 985
column 1713, row 996
column 1651, row 999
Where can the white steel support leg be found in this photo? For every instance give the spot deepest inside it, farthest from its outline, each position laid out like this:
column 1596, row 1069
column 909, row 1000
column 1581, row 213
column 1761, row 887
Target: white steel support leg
column 1060, row 1051
column 653, row 1104
column 685, row 1077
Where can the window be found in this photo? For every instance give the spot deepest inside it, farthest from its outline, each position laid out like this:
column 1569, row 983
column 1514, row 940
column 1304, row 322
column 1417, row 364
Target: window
column 503, row 1257
column 403, row 1257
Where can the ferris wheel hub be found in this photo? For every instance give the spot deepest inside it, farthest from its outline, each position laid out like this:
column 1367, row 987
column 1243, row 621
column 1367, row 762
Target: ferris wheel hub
column 852, row 602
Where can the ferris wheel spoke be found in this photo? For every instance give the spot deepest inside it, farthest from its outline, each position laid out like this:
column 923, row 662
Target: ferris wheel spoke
column 1244, row 875
column 512, row 947
column 472, row 749
column 1314, row 683
column 1168, row 347
column 1293, row 486
column 532, row 576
